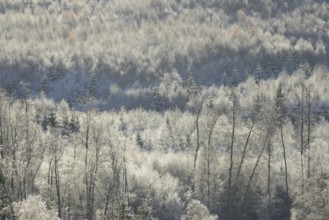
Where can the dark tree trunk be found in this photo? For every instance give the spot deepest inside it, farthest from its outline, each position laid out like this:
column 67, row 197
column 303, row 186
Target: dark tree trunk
column 231, row 151
column 254, row 170
column 302, row 141
column 285, row 160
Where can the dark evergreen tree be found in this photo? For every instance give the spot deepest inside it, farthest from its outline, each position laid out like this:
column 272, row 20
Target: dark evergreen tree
column 74, row 124
column 280, row 105
column 157, row 103
column 139, row 141
column 52, row 119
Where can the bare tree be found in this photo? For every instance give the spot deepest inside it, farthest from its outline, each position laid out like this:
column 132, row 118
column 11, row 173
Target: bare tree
column 57, row 155
column 97, row 141
column 285, row 160
column 308, row 90
column 254, row 169
column 234, row 101
column 302, row 139
column 242, row 160
column 89, row 103
column 210, row 152
column 197, row 125
column 280, row 107
column 5, row 194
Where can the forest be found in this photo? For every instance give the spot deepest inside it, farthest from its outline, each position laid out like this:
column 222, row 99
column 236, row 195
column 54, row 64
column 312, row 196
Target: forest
column 164, row 109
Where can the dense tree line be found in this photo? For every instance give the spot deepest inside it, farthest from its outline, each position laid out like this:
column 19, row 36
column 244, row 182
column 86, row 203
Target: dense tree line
column 125, row 49
column 256, row 150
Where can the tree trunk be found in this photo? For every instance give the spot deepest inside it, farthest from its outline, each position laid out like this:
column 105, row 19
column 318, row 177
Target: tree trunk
column 1, row 130
column 87, row 177
column 269, row 178
column 285, row 160
column 57, row 182
column 90, row 208
column 212, row 126
column 241, row 161
column 197, row 144
column 309, row 133
column 302, row 142
column 244, row 153
column 108, row 196
column 6, row 190
column 49, row 179
column 254, row 170
column 231, row 152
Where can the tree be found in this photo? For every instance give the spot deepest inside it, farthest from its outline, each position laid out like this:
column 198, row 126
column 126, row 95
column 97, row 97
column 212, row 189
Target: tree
column 57, row 179
column 157, row 103
column 254, row 170
column 56, row 152
column 234, row 109
column 242, row 160
column 198, row 144
column 5, row 199
column 280, row 110
column 302, row 147
column 309, row 128
column 88, row 183
column 192, row 88
column 96, row 135
column 195, row 210
column 282, row 204
column 34, row 208
column 89, row 104
column 209, row 151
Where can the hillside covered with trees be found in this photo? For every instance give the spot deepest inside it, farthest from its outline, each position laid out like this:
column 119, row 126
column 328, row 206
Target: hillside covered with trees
column 124, row 50
column 164, row 109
